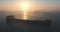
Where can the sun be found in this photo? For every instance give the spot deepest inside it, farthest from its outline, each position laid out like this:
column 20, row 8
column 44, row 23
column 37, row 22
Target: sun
column 24, row 5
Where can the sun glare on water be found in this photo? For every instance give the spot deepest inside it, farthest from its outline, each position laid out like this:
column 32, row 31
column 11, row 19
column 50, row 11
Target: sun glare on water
column 24, row 7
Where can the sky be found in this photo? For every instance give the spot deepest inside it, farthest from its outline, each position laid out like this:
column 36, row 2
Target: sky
column 40, row 5
column 36, row 4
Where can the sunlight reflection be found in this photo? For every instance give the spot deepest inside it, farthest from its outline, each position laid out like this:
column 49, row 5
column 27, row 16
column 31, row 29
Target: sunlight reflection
column 25, row 15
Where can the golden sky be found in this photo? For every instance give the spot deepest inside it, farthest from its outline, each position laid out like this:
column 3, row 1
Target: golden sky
column 33, row 4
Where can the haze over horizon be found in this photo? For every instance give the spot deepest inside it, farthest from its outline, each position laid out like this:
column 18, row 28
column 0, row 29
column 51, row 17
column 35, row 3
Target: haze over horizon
column 34, row 4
